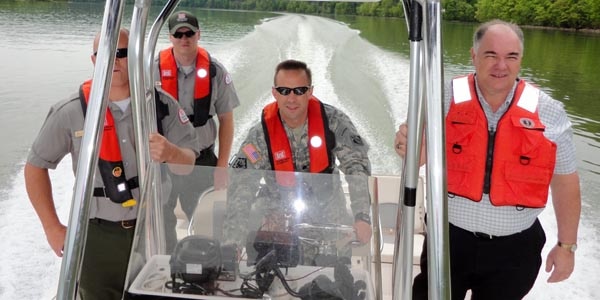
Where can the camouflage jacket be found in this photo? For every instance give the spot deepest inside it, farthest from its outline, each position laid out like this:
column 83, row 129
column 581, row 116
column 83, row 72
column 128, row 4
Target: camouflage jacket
column 322, row 192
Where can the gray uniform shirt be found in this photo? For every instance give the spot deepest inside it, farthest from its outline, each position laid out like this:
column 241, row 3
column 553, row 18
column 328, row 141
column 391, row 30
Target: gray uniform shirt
column 351, row 153
column 505, row 220
column 223, row 98
column 62, row 133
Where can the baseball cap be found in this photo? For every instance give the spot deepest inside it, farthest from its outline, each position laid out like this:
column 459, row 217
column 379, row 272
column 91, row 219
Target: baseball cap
column 183, row 19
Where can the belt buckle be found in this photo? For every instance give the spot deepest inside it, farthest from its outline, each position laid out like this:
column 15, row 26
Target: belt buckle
column 482, row 235
column 127, row 224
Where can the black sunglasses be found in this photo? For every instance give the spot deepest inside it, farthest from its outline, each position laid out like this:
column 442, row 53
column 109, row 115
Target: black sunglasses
column 120, row 53
column 179, row 34
column 300, row 90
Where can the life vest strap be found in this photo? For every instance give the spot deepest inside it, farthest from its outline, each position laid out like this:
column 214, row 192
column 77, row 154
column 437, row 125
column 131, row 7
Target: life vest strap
column 132, row 183
column 191, row 117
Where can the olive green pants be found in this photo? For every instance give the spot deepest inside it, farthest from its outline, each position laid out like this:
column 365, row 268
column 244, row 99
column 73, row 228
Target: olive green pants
column 105, row 260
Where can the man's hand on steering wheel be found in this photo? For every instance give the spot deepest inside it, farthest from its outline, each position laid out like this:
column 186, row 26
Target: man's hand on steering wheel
column 363, row 231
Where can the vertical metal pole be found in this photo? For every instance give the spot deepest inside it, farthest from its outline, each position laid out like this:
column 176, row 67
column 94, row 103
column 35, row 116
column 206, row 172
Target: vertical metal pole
column 137, row 84
column 377, row 240
column 143, row 102
column 403, row 250
column 152, row 41
column 144, row 121
column 88, row 159
column 437, row 195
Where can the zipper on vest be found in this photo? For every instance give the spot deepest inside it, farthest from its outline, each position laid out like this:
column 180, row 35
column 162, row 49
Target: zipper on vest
column 489, row 160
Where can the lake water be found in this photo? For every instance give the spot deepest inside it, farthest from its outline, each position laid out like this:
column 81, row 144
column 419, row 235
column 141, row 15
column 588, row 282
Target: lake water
column 359, row 65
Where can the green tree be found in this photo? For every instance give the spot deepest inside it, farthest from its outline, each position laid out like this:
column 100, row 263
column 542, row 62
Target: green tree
column 594, row 6
column 459, row 10
column 570, row 13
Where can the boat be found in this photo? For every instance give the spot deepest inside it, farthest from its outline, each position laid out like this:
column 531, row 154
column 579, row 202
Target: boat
column 298, row 258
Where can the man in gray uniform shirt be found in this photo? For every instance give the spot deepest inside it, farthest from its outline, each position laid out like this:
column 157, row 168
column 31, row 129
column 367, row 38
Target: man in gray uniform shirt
column 113, row 211
column 204, row 89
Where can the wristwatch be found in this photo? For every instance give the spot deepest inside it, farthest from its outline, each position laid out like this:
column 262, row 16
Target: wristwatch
column 361, row 216
column 569, row 247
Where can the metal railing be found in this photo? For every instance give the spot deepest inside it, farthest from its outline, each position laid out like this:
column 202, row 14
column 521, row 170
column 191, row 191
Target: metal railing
column 425, row 107
column 425, row 103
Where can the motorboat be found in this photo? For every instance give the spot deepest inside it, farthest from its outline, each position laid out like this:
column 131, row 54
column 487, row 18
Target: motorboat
column 281, row 251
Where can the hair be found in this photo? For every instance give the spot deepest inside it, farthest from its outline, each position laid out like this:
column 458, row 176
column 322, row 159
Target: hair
column 292, row 64
column 483, row 28
column 122, row 30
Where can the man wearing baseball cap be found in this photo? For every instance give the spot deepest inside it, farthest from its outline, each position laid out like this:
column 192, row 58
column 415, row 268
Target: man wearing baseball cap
column 204, row 89
column 183, row 19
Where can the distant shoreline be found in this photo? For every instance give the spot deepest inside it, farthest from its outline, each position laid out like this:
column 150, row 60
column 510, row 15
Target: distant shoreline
column 583, row 30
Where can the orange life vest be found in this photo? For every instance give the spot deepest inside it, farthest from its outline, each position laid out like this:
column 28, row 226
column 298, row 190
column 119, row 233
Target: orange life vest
column 514, row 164
column 202, row 86
column 321, row 141
column 110, row 164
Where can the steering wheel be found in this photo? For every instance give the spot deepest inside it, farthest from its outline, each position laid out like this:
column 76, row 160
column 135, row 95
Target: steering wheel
column 339, row 233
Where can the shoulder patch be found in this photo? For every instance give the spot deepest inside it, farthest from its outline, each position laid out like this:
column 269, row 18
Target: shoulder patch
column 251, row 153
column 357, row 140
column 183, row 118
column 238, row 163
column 228, row 78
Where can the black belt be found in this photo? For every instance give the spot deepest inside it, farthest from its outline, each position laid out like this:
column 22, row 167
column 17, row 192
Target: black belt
column 486, row 236
column 125, row 224
column 207, row 150
column 479, row 235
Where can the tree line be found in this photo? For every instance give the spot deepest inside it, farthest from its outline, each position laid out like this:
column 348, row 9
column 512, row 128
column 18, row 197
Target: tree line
column 573, row 14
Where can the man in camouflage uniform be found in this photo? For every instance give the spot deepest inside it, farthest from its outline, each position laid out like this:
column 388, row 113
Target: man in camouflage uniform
column 280, row 142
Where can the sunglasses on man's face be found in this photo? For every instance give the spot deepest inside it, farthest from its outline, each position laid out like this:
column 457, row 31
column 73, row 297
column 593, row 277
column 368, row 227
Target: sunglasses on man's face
column 299, row 91
column 120, row 53
column 180, row 34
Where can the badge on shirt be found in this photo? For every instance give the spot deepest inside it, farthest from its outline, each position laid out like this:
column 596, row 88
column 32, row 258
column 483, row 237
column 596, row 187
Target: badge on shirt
column 228, row 78
column 78, row 133
column 183, row 118
column 251, row 153
column 117, row 171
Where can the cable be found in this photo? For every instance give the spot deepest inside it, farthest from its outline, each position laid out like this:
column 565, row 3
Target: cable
column 154, row 282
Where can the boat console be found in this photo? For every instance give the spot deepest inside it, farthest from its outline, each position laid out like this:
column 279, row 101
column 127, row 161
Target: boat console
column 259, row 239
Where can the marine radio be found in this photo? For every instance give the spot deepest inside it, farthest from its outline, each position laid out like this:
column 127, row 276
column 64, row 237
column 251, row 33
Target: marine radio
column 200, row 261
column 286, row 246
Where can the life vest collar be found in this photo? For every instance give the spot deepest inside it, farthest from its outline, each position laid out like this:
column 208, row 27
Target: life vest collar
column 202, row 85
column 278, row 144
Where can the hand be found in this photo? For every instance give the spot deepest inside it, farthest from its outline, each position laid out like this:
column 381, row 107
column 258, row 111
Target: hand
column 221, row 178
column 56, row 238
column 561, row 262
column 161, row 150
column 363, row 231
column 401, row 139
column 400, row 144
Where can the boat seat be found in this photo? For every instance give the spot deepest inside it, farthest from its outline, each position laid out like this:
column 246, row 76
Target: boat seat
column 207, row 219
column 388, row 195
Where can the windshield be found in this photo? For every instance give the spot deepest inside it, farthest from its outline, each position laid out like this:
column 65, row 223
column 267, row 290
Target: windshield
column 269, row 235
